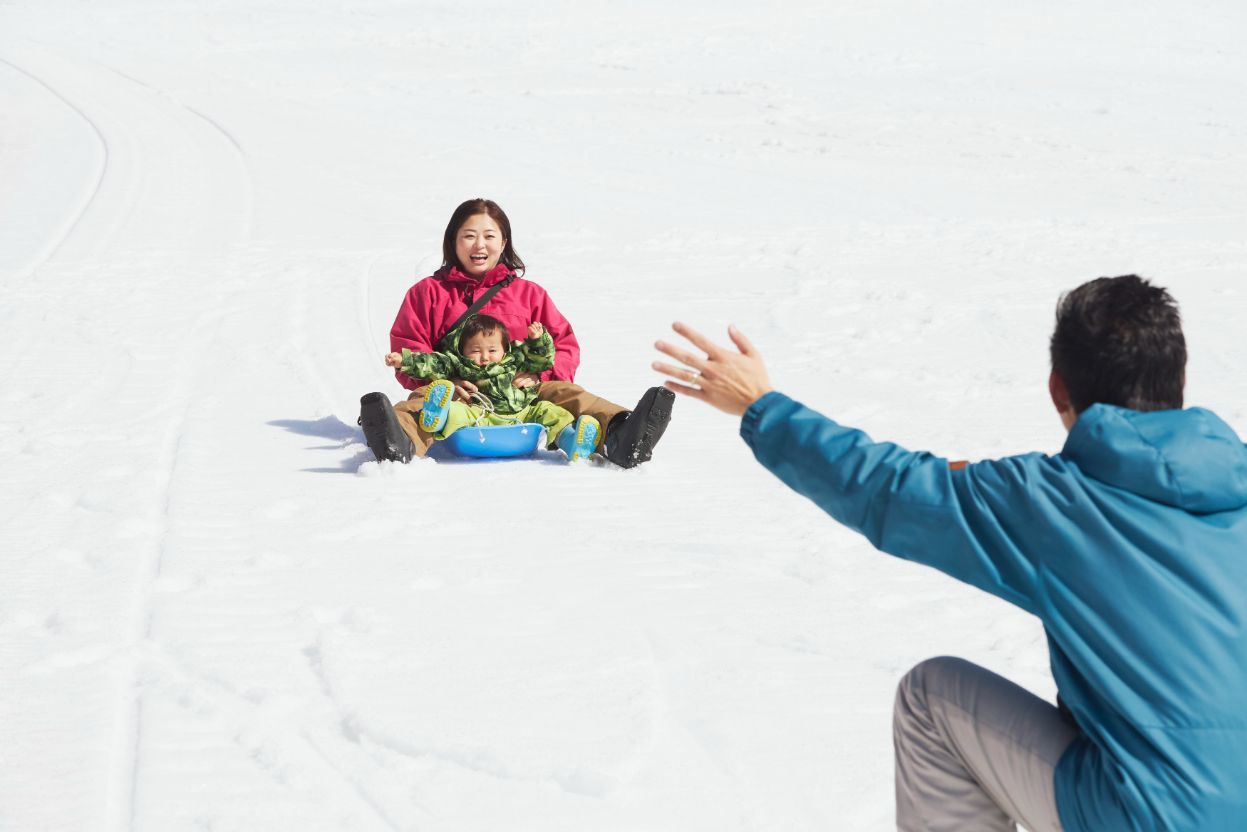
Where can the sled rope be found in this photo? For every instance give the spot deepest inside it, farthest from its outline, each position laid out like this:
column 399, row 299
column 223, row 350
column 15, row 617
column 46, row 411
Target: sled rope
column 487, row 409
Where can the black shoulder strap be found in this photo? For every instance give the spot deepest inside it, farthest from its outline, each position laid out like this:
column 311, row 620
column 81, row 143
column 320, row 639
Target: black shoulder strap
column 473, row 309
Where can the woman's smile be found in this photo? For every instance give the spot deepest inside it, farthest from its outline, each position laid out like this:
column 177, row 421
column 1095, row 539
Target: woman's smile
column 478, row 245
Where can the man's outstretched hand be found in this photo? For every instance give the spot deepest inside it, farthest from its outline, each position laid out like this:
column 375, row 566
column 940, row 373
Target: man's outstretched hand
column 728, row 379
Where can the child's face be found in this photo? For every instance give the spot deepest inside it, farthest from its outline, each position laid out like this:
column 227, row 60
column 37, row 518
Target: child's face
column 483, row 348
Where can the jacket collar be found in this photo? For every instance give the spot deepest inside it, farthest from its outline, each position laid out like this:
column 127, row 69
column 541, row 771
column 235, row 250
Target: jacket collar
column 452, row 274
column 1184, row 458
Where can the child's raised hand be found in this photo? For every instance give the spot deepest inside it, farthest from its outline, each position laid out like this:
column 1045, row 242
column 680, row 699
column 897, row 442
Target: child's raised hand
column 535, row 330
column 394, row 359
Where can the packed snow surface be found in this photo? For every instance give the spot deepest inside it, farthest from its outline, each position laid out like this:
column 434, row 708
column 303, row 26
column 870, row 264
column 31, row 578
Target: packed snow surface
column 218, row 613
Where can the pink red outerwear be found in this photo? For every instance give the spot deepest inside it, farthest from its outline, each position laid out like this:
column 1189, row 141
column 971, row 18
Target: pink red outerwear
column 434, row 303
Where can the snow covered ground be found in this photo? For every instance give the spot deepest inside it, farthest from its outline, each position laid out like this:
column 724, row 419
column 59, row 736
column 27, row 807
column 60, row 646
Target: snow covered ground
column 216, row 613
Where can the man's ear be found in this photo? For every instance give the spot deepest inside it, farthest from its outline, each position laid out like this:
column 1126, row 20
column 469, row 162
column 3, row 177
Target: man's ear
column 1060, row 399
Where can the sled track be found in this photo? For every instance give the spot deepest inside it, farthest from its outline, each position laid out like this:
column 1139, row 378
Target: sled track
column 148, row 139
column 55, row 247
column 206, row 119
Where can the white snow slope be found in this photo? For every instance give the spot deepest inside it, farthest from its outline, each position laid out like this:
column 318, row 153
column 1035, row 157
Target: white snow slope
column 217, row 613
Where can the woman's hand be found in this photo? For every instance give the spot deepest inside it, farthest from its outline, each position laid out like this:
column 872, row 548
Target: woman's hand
column 725, row 378
column 535, row 330
column 394, row 359
column 464, row 389
column 523, row 380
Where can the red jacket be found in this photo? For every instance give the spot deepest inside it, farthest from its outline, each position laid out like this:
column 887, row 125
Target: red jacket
column 434, row 303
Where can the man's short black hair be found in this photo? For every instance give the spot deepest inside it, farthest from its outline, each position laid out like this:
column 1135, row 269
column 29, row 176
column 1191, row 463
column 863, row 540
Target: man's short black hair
column 1118, row 341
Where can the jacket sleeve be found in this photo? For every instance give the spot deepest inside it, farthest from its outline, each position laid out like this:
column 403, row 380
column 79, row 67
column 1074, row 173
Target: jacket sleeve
column 428, row 365
column 412, row 330
column 969, row 524
column 536, row 355
column 566, row 347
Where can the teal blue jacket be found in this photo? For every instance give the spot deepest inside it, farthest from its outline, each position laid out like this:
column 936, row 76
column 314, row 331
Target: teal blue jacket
column 1130, row 546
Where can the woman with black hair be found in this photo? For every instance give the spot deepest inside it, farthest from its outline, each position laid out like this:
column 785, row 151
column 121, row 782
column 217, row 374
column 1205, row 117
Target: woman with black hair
column 479, row 262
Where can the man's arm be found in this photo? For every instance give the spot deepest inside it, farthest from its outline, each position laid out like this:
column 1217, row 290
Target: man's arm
column 967, row 523
column 912, row 505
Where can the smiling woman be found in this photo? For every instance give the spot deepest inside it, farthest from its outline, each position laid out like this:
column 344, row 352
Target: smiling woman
column 480, row 263
column 480, row 243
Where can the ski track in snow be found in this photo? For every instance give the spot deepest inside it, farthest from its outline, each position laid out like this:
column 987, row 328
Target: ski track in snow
column 125, row 197
column 218, row 613
column 77, row 214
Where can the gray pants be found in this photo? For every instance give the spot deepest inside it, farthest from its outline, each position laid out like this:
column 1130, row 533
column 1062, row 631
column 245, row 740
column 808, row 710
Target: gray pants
column 974, row 751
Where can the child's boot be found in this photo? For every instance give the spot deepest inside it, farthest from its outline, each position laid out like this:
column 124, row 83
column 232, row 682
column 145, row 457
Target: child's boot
column 437, row 398
column 579, row 439
column 382, row 431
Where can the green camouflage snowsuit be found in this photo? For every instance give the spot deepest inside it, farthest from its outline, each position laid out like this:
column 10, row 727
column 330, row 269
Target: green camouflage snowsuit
column 511, row 405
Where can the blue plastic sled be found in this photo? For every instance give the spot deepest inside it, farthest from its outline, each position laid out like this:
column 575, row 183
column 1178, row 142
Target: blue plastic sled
column 494, row 441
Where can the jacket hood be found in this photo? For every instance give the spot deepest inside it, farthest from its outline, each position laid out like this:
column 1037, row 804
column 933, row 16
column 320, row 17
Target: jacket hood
column 452, row 274
column 1189, row 459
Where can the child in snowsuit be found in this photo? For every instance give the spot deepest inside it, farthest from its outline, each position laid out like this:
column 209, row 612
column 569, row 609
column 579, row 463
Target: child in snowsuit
column 485, row 358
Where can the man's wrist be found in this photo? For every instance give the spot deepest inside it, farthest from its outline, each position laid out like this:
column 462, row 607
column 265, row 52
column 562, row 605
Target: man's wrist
column 753, row 414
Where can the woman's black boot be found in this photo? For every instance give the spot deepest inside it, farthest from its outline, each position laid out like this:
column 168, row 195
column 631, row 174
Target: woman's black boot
column 382, row 431
column 631, row 437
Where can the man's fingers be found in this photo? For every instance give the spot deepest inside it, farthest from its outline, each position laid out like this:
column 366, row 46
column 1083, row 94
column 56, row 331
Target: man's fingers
column 742, row 343
column 685, row 390
column 700, row 341
column 682, row 373
column 671, row 370
column 683, row 356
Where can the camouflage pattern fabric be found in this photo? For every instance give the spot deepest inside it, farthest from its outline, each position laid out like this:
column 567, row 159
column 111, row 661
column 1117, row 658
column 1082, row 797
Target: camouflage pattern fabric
column 533, row 355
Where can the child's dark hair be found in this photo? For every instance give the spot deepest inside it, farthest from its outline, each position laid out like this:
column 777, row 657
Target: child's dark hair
column 471, row 208
column 1118, row 341
column 483, row 324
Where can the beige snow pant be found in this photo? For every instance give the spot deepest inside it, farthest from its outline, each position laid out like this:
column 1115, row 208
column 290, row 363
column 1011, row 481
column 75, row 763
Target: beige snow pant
column 974, row 752
column 571, row 397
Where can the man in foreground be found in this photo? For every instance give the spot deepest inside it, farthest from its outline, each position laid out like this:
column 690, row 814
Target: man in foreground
column 1130, row 545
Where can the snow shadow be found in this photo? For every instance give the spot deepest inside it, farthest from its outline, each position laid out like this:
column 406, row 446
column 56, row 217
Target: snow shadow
column 338, row 432
column 329, row 427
